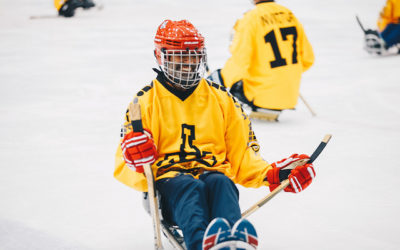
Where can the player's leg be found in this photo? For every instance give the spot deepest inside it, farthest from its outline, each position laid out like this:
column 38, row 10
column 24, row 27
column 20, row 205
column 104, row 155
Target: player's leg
column 391, row 34
column 237, row 91
column 222, row 197
column 183, row 202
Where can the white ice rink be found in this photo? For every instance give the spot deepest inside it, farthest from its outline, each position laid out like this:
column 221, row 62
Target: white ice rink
column 65, row 85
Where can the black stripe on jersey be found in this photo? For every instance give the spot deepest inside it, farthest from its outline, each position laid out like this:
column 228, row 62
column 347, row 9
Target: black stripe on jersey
column 127, row 115
column 140, row 93
column 195, row 171
column 217, row 86
column 145, row 89
column 265, row 1
column 235, row 101
column 220, row 87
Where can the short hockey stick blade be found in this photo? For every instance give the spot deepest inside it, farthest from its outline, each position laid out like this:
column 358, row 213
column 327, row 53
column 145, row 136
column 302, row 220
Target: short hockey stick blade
column 320, row 147
column 286, row 183
column 361, row 26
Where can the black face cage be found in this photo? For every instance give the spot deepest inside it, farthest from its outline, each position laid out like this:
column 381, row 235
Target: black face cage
column 183, row 68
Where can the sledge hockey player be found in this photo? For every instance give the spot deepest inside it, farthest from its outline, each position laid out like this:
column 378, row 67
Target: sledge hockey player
column 387, row 36
column 270, row 51
column 67, row 8
column 199, row 144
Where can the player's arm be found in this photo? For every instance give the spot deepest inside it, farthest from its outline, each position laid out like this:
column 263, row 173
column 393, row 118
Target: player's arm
column 137, row 147
column 250, row 170
column 247, row 166
column 385, row 16
column 134, row 150
column 306, row 50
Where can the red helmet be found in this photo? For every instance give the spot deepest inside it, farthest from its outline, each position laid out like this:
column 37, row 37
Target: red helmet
column 180, row 52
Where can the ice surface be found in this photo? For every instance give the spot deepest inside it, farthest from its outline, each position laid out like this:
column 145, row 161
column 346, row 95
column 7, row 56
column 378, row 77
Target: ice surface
column 65, row 85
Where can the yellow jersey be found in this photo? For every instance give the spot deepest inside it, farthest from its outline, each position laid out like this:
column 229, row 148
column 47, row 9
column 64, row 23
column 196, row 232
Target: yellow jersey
column 269, row 51
column 389, row 14
column 202, row 129
column 58, row 4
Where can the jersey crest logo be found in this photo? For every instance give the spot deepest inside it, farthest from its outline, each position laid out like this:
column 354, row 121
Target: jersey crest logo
column 188, row 154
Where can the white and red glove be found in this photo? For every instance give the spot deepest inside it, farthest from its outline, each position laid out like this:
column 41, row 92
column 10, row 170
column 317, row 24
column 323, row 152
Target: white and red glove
column 138, row 149
column 294, row 168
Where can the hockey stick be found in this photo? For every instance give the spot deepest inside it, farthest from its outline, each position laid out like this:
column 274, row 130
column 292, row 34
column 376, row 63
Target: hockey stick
column 307, row 105
column 137, row 126
column 359, row 23
column 286, row 182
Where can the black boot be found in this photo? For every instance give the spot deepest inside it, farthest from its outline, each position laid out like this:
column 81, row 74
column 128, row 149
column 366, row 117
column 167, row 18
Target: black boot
column 237, row 91
column 69, row 7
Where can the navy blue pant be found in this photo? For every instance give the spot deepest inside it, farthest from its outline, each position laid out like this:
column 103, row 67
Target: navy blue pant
column 192, row 203
column 391, row 34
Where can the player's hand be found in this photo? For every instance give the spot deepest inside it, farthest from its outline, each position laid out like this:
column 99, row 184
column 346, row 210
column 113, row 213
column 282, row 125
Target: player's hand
column 138, row 149
column 294, row 168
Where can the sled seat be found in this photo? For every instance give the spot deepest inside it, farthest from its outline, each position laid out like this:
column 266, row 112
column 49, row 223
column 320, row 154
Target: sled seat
column 171, row 231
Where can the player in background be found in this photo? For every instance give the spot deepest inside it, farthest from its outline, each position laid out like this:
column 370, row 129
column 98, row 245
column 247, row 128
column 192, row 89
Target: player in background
column 67, row 8
column 388, row 34
column 270, row 51
column 199, row 144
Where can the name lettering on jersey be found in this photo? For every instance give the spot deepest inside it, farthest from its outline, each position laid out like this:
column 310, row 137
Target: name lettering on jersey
column 188, row 154
column 277, row 18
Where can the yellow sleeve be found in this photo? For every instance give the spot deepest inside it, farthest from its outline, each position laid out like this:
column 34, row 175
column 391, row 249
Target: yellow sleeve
column 389, row 14
column 123, row 173
column 247, row 166
column 307, row 53
column 58, row 4
column 241, row 49
column 126, row 175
